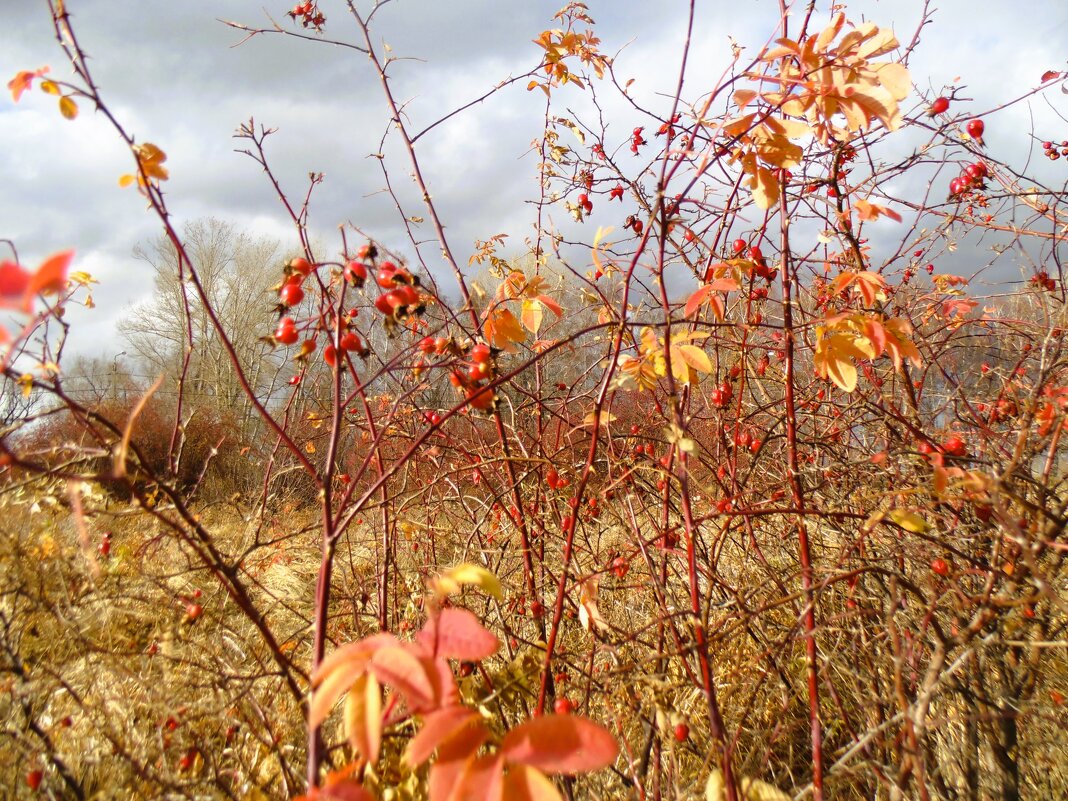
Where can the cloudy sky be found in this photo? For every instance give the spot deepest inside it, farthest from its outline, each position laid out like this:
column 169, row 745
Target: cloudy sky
column 171, row 72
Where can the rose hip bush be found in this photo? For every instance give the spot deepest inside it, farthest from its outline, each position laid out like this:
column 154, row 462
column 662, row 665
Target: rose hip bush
column 750, row 496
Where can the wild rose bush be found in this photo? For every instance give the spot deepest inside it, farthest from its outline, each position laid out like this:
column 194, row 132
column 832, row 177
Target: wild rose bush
column 762, row 502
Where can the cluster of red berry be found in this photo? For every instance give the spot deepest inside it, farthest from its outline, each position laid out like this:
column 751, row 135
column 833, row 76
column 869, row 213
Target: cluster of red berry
column 637, row 140
column 971, row 177
column 1042, row 280
column 1051, row 151
column 309, row 14
column 468, row 377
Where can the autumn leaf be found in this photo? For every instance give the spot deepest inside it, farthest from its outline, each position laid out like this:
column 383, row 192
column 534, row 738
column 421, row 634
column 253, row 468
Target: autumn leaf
column 566, row 744
column 68, row 108
column 23, row 81
column 707, row 294
column 589, row 614
column 523, row 783
column 363, row 717
column 910, row 521
column 869, row 284
column 452, row 581
column 400, row 668
column 455, row 633
column 339, row 671
column 871, row 211
column 502, row 330
column 438, row 726
column 531, row 315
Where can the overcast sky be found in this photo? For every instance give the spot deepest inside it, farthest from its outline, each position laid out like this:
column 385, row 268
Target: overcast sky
column 171, row 73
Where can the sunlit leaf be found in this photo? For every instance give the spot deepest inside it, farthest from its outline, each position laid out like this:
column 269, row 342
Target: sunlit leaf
column 910, row 521
column 453, row 579
column 456, row 633
column 438, row 726
column 401, row 669
column 523, row 783
column 68, row 108
column 363, row 717
column 560, row 744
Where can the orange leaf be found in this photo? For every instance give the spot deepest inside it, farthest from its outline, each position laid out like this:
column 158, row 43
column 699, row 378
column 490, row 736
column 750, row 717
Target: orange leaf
column 696, row 300
column 457, row 634
column 560, row 744
column 482, row 781
column 438, row 727
column 454, row 756
column 529, row 784
column 502, row 329
column 401, row 669
column 23, row 81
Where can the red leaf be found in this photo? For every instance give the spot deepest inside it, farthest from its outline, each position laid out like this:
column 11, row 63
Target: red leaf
column 457, row 634
column 560, row 744
column 437, row 728
column 1050, row 75
column 696, row 300
column 52, row 275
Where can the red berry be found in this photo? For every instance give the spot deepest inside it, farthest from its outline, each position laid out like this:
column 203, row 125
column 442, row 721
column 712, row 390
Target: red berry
column 193, row 611
column 426, row 345
column 34, row 777
column 291, row 294
column 386, row 277
column 939, row 106
column 755, row 254
column 562, row 706
column 300, row 265
column 682, row 732
column 940, row 567
column 480, row 353
column 356, row 273
column 634, row 430
column 537, row 609
column 738, row 245
column 350, row 341
column 552, row 478
column 954, row 445
column 975, row 130
column 286, row 332
column 330, row 355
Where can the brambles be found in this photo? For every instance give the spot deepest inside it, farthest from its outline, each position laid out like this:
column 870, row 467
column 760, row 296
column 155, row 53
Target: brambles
column 760, row 493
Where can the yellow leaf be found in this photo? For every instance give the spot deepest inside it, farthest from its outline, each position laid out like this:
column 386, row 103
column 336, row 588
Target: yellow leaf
column 452, row 580
column 50, row 87
column 714, row 786
column 910, row 521
column 756, row 790
column 532, row 315
column 126, row 180
column 694, row 357
column 598, row 418
column 765, row 188
column 363, row 717
column 68, row 108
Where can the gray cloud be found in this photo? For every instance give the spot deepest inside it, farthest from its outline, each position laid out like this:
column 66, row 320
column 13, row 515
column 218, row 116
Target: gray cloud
column 170, row 72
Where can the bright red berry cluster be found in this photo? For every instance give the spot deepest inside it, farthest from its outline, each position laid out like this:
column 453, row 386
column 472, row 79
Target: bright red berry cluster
column 309, row 15
column 1049, row 149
